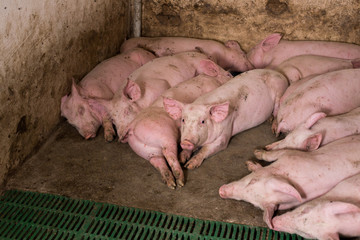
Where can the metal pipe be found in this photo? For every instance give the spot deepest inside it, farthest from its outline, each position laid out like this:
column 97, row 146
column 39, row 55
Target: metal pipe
column 136, row 18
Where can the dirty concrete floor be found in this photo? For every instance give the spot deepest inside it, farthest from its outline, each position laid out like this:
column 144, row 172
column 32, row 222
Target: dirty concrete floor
column 111, row 172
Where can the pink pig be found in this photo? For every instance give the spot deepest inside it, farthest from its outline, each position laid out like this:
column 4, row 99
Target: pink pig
column 320, row 131
column 242, row 103
column 154, row 136
column 336, row 212
column 331, row 93
column 302, row 66
column 228, row 55
column 101, row 82
column 272, row 51
column 148, row 82
column 296, row 176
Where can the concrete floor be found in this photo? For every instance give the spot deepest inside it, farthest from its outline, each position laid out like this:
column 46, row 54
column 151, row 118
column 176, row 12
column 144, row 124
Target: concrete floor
column 111, row 172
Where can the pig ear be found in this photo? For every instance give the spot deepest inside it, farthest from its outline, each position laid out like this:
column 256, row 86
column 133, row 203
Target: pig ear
column 252, row 166
column 314, row 118
column 269, row 210
column 338, row 208
column 313, row 142
column 132, row 90
column 281, row 127
column 284, row 188
column 99, row 107
column 173, row 108
column 220, row 111
column 75, row 90
column 209, row 68
column 270, row 41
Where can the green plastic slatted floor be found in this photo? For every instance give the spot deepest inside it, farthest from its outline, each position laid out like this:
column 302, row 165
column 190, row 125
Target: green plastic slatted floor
column 29, row 215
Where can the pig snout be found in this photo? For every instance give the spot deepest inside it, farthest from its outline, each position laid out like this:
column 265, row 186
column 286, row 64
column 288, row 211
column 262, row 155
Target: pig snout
column 187, row 145
column 225, row 191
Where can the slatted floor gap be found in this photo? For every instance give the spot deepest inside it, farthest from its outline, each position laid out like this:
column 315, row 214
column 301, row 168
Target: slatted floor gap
column 30, row 215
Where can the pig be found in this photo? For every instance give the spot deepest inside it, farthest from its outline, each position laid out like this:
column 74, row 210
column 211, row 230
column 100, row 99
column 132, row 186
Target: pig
column 331, row 93
column 311, row 135
column 273, row 50
column 154, row 136
column 302, row 66
column 147, row 83
column 228, row 55
column 208, row 123
column 336, row 212
column 101, row 82
column 296, row 176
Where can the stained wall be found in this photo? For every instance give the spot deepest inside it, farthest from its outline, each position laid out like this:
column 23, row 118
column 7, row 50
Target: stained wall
column 249, row 21
column 43, row 45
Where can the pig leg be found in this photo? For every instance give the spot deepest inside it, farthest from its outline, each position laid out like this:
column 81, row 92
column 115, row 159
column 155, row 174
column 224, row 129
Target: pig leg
column 205, row 152
column 185, row 155
column 270, row 156
column 160, row 164
column 170, row 154
column 109, row 131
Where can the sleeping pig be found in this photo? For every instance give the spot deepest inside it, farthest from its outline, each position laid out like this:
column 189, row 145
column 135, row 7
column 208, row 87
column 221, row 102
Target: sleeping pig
column 273, row 50
column 228, row 55
column 101, row 82
column 296, row 176
column 336, row 212
column 320, row 131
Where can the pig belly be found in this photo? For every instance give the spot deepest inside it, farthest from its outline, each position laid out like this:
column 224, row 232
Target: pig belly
column 151, row 134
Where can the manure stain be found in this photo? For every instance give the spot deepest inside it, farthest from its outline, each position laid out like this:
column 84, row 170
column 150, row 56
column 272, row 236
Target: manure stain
column 276, row 7
column 21, row 126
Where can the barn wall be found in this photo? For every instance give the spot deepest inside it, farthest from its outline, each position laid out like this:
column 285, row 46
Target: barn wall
column 44, row 44
column 249, row 21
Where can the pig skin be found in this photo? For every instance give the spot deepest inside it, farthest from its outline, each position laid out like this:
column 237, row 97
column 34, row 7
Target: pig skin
column 323, row 130
column 242, row 103
column 331, row 93
column 296, row 176
column 273, row 50
column 228, row 55
column 154, row 135
column 302, row 66
column 101, row 82
column 148, row 82
column 336, row 212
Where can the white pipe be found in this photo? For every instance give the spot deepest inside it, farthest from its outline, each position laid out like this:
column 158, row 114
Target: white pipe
column 137, row 18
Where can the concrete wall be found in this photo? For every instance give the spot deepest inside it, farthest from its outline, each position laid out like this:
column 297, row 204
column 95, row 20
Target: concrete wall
column 249, row 21
column 44, row 44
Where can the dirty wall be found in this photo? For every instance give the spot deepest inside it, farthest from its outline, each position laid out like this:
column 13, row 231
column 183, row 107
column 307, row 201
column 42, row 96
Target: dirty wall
column 249, row 21
column 43, row 44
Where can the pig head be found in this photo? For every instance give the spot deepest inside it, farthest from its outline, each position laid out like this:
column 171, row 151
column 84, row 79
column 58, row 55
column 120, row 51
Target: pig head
column 321, row 220
column 204, row 125
column 76, row 109
column 302, row 137
column 122, row 109
column 262, row 189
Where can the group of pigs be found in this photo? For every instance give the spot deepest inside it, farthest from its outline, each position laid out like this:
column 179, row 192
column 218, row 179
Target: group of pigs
column 159, row 92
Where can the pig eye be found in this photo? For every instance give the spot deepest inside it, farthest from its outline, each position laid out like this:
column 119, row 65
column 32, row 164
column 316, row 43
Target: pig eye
column 81, row 110
column 183, row 120
column 203, row 121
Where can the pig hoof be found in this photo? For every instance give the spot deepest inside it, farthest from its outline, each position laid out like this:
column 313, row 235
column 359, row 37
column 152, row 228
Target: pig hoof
column 180, row 183
column 109, row 138
column 258, row 153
